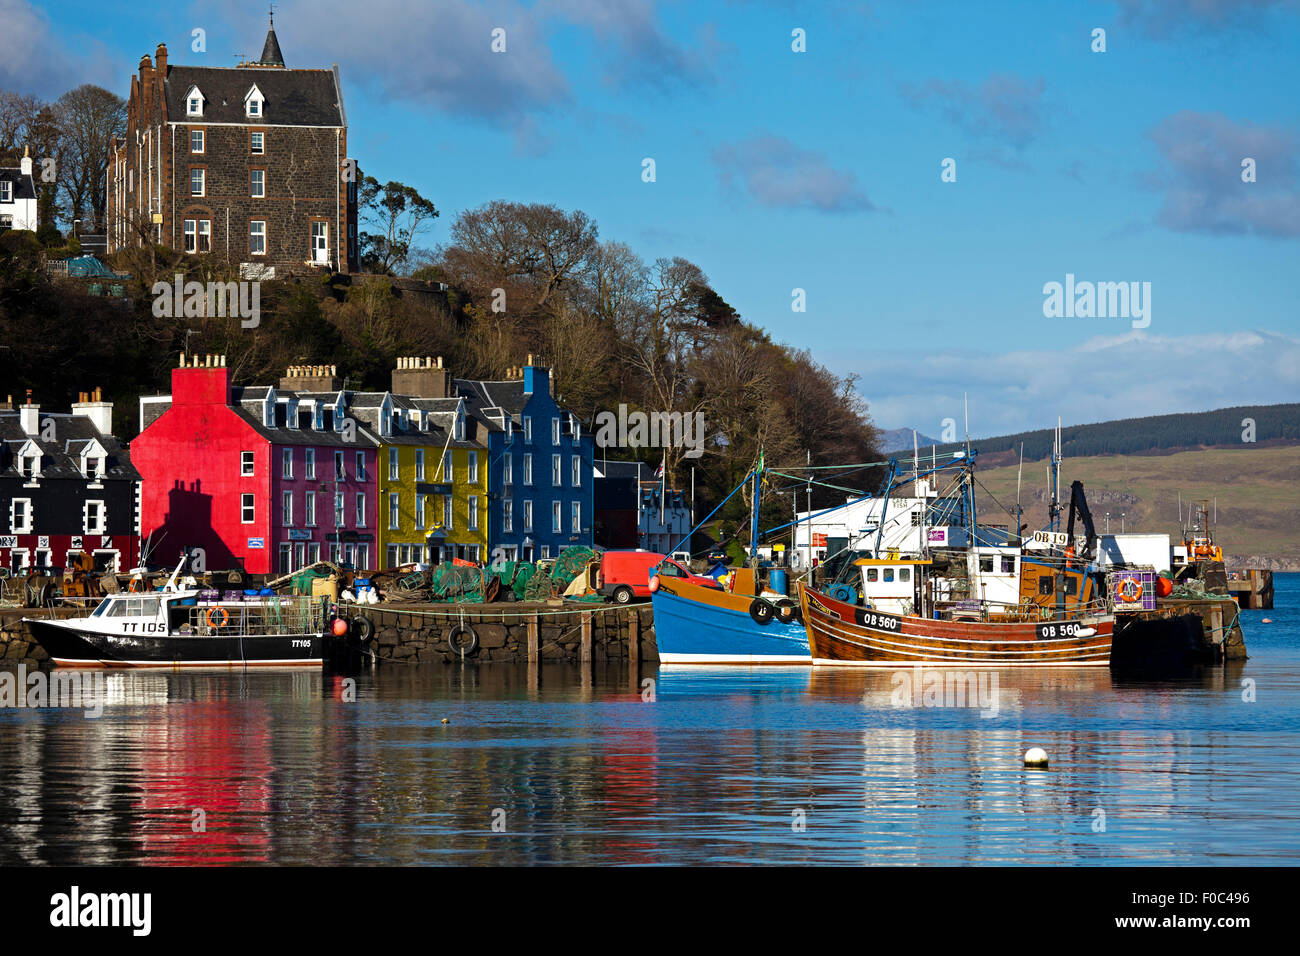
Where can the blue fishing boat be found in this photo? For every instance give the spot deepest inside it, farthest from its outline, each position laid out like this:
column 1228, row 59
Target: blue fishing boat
column 740, row 623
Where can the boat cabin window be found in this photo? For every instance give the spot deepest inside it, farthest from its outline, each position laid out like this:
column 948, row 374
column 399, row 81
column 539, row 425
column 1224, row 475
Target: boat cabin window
column 134, row 607
column 1008, row 565
column 668, row 569
column 1071, row 585
column 904, row 574
column 889, row 574
column 873, row 574
column 1045, row 585
column 986, row 562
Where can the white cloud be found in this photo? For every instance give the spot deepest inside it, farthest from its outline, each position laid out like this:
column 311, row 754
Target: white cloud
column 1127, row 375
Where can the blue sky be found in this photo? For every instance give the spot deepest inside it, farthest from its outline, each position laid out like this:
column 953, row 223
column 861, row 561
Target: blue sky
column 820, row 170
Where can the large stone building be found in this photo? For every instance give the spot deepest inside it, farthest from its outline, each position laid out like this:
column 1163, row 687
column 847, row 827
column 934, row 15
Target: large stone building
column 247, row 164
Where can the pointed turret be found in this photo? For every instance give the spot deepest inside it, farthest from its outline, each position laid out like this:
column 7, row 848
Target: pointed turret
column 271, row 55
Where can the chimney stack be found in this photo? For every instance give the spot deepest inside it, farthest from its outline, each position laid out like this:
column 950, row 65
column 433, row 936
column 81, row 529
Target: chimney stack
column 421, row 377
column 310, row 378
column 25, row 164
column 160, row 57
column 99, row 412
column 29, row 416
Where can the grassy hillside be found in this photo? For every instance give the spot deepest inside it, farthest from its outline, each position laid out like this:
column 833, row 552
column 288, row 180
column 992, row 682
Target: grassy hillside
column 1258, row 491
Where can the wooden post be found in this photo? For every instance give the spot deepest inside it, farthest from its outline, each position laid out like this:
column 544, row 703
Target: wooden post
column 534, row 645
column 1216, row 624
column 634, row 642
column 585, row 647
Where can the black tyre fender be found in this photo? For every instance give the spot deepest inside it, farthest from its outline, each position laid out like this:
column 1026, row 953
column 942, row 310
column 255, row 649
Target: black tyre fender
column 463, row 640
column 787, row 611
column 622, row 594
column 362, row 628
column 762, row 611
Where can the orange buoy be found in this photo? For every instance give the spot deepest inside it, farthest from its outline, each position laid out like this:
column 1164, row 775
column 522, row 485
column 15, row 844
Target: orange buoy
column 339, row 627
column 1164, row 587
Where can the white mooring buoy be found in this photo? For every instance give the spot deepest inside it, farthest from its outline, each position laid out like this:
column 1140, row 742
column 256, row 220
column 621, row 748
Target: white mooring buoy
column 1035, row 757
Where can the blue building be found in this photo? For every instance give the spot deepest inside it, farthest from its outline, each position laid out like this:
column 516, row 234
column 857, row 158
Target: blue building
column 540, row 480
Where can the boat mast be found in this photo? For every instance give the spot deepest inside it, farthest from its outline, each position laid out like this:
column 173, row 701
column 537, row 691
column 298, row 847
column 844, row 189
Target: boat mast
column 1019, row 474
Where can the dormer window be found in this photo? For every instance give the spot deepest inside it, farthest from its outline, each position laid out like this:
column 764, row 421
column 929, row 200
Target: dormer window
column 460, row 425
column 253, row 103
column 29, row 466
column 194, row 102
column 93, row 458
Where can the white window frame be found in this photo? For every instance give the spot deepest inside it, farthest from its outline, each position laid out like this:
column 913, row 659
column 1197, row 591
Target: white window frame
column 309, row 464
column 528, row 429
column 254, row 183
column 203, row 142
column 507, row 515
column 555, row 431
column 251, row 150
column 286, row 509
column 557, row 471
column 528, row 516
column 247, row 464
column 394, row 464
column 448, row 512
column 575, row 512
column 361, row 466
column 528, row 470
column 256, row 234
column 419, row 512
column 557, row 517
column 203, row 182
column 507, row 469
column 419, row 464
column 26, row 526
column 394, row 511
column 309, row 510
column 247, row 508
column 286, row 459
column 361, row 509
column 472, row 470
column 575, row 468
column 472, row 509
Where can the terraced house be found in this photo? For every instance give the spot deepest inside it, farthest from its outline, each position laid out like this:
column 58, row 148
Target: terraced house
column 246, row 164
column 264, row 478
column 539, row 462
column 433, row 476
column 67, row 488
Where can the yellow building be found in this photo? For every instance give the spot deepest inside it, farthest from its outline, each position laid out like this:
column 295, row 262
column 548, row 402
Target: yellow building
column 433, row 486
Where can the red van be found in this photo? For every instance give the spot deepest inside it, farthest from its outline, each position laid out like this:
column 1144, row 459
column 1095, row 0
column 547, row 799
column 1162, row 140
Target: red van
column 625, row 575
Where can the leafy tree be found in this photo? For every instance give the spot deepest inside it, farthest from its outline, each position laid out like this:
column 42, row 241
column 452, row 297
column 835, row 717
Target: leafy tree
column 399, row 214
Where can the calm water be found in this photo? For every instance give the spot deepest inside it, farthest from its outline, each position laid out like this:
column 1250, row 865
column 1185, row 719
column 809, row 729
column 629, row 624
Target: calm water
column 724, row 766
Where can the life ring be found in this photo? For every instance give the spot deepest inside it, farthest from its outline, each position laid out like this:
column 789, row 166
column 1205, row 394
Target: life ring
column 225, row 616
column 1130, row 590
column 761, row 611
column 134, row 586
column 363, row 628
column 470, row 640
column 788, row 612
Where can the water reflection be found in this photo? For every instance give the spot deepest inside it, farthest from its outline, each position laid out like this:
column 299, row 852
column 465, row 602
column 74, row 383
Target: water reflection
column 554, row 764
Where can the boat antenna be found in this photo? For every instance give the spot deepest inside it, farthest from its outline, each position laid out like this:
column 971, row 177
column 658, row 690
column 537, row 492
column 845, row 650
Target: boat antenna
column 1019, row 474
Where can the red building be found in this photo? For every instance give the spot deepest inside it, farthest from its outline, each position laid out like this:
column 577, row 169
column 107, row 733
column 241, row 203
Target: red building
column 261, row 478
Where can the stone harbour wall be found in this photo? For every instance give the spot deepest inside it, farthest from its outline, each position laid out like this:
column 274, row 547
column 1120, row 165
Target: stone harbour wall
column 515, row 633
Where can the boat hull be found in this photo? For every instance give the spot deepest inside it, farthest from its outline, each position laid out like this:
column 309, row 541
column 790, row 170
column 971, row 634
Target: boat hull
column 698, row 625
column 71, row 646
column 848, row 635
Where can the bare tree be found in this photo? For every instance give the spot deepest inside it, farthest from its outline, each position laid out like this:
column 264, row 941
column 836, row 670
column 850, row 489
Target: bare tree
column 17, row 116
column 89, row 117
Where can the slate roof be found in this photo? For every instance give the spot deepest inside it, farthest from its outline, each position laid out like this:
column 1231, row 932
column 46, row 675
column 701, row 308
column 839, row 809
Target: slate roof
column 60, row 458
column 24, row 186
column 293, row 97
column 510, row 397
